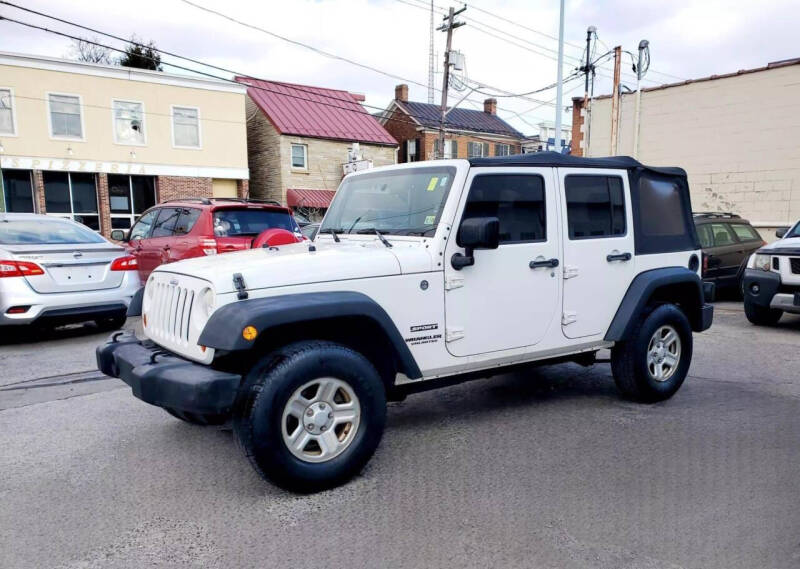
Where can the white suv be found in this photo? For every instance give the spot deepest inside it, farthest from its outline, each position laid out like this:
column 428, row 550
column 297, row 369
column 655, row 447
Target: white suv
column 421, row 275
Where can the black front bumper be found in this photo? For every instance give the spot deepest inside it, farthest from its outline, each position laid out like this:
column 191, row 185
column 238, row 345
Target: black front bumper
column 166, row 380
column 759, row 286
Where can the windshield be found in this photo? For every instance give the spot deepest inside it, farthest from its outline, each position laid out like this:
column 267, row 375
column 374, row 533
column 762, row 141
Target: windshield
column 235, row 222
column 45, row 231
column 399, row 202
column 793, row 232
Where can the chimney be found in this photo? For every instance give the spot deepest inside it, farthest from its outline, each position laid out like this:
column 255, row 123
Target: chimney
column 490, row 106
column 401, row 93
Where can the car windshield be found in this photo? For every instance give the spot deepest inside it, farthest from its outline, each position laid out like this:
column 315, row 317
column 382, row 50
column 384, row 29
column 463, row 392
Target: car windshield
column 235, row 222
column 399, row 202
column 794, row 231
column 45, row 231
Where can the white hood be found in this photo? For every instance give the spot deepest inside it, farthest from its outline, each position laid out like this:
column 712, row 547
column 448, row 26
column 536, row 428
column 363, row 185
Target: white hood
column 790, row 243
column 297, row 264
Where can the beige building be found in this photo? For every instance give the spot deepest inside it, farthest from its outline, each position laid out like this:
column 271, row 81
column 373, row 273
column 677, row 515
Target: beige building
column 302, row 140
column 734, row 134
column 101, row 143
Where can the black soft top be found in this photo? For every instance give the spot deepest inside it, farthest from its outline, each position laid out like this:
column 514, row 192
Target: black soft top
column 565, row 160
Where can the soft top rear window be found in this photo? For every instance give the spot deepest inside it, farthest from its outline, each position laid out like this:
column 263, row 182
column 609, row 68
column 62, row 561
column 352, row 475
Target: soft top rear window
column 662, row 213
column 45, row 231
column 232, row 222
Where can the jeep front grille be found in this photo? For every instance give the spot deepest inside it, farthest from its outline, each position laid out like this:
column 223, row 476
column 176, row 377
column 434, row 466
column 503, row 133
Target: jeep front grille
column 795, row 262
column 171, row 313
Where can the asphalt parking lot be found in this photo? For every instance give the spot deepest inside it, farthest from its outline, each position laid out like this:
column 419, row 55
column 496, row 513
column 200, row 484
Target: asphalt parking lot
column 549, row 469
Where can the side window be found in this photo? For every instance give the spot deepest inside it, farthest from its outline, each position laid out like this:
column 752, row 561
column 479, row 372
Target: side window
column 745, row 232
column 186, row 220
column 517, row 200
column 142, row 228
column 595, row 206
column 705, row 235
column 165, row 224
column 722, row 234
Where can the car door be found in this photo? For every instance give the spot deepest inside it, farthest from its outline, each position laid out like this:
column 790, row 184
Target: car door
column 156, row 250
column 598, row 248
column 727, row 253
column 138, row 237
column 508, row 298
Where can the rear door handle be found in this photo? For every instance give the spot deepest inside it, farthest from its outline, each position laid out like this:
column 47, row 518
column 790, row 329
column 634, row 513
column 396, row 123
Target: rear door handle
column 549, row 263
column 618, row 257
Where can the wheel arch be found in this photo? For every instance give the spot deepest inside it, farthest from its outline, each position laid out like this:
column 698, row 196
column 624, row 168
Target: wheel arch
column 675, row 285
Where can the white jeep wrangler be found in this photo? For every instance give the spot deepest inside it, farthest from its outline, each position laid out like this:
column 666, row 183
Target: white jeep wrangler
column 422, row 274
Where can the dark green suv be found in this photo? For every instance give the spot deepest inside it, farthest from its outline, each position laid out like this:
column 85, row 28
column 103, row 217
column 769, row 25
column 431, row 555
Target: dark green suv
column 727, row 241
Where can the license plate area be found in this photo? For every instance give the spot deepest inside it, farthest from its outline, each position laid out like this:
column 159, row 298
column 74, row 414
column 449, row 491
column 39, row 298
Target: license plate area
column 77, row 275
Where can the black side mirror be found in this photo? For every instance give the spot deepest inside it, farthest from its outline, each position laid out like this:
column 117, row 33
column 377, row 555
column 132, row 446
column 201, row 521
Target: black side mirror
column 119, row 235
column 781, row 231
column 475, row 233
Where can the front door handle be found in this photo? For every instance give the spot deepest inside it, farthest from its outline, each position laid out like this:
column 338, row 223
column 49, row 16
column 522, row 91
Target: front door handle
column 618, row 257
column 549, row 263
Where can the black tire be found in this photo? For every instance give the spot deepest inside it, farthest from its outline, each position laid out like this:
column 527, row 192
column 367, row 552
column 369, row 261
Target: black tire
column 201, row 419
column 111, row 323
column 258, row 417
column 760, row 315
column 629, row 359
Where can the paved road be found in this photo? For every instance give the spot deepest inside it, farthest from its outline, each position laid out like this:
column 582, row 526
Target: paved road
column 544, row 470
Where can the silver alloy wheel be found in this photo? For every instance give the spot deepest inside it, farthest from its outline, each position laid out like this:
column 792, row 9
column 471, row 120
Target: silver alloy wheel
column 663, row 353
column 320, row 419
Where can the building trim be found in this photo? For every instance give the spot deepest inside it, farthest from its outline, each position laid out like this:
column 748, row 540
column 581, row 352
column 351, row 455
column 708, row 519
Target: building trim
column 107, row 167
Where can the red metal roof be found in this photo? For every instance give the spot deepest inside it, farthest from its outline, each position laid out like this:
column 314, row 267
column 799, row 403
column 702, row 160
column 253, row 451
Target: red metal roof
column 309, row 198
column 316, row 112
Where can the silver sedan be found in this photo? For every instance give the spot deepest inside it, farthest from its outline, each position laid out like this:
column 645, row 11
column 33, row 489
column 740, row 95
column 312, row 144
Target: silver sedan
column 55, row 271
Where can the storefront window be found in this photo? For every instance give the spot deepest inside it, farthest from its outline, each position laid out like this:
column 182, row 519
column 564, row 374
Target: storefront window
column 17, row 191
column 129, row 197
column 72, row 195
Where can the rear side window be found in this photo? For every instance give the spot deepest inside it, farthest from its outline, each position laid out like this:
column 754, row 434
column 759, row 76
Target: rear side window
column 230, row 222
column 595, row 206
column 705, row 235
column 186, row 220
column 165, row 223
column 745, row 232
column 517, row 200
column 722, row 234
column 662, row 213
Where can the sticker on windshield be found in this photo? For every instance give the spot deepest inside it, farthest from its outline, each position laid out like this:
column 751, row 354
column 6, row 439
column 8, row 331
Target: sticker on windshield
column 432, row 184
column 443, row 183
column 430, row 219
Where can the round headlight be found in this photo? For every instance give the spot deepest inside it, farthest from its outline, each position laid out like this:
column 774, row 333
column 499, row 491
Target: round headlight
column 207, row 301
column 763, row 262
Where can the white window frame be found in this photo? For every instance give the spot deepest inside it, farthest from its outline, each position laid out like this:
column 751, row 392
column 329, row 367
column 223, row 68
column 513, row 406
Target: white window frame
column 50, row 117
column 199, row 127
column 305, row 157
column 15, row 131
column 482, row 145
column 507, row 147
column 114, row 122
column 73, row 213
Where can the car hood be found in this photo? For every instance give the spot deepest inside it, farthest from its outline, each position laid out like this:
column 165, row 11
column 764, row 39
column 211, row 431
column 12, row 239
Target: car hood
column 306, row 263
column 792, row 244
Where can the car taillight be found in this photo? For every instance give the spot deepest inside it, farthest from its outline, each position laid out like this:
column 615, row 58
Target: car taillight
column 129, row 263
column 19, row 269
column 705, row 263
column 209, row 246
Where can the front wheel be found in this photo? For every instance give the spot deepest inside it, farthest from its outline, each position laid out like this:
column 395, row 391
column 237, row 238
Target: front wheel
column 761, row 315
column 311, row 415
column 651, row 365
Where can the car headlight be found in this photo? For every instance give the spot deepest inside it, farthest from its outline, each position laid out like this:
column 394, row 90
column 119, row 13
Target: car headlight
column 208, row 301
column 763, row 262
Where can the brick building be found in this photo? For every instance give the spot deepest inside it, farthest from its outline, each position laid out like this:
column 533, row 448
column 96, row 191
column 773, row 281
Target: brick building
column 299, row 139
column 734, row 134
column 100, row 143
column 469, row 133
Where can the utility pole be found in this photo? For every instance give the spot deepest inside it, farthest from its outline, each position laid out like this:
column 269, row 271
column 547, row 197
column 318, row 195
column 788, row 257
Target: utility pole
column 588, row 68
column 560, row 78
column 448, row 27
column 644, row 46
column 431, row 63
column 615, row 101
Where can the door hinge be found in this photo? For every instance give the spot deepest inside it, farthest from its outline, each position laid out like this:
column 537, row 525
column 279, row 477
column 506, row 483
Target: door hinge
column 453, row 282
column 453, row 334
column 568, row 318
column 570, row 271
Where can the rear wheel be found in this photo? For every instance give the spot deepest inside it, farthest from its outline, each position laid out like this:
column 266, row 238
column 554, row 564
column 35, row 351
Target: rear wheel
column 651, row 365
column 311, row 415
column 202, row 419
column 761, row 315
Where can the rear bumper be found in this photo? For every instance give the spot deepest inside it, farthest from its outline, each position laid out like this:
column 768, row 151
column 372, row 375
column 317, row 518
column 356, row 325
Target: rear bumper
column 163, row 379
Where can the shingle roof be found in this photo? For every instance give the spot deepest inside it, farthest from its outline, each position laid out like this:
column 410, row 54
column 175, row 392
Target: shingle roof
column 316, row 112
column 459, row 119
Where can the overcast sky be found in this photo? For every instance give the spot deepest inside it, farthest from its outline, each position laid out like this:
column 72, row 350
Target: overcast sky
column 688, row 39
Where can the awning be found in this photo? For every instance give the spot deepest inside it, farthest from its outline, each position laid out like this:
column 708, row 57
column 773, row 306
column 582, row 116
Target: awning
column 309, row 198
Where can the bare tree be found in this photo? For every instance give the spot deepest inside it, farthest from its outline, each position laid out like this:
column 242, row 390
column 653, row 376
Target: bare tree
column 83, row 50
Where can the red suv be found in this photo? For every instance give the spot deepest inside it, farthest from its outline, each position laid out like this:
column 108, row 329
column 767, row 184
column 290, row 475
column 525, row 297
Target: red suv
column 182, row 229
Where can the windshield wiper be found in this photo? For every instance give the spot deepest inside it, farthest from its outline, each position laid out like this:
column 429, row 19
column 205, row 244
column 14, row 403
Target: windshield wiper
column 333, row 232
column 377, row 232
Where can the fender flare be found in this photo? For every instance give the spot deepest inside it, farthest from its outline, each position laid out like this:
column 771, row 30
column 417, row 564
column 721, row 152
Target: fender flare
column 641, row 290
column 135, row 305
column 223, row 331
